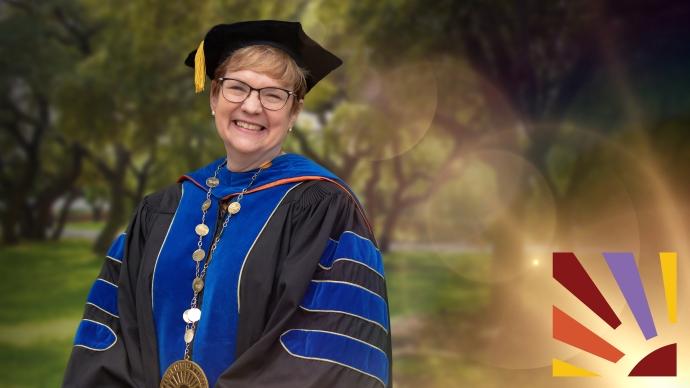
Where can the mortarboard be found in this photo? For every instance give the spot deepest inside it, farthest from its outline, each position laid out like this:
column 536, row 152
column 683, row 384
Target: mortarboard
column 222, row 40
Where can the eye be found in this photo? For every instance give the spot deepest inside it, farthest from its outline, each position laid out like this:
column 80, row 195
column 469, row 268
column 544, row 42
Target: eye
column 235, row 87
column 274, row 94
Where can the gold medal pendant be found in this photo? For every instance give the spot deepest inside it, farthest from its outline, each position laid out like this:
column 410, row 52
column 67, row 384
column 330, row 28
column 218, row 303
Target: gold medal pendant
column 184, row 374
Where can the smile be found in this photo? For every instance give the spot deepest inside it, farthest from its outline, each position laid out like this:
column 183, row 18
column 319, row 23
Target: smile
column 248, row 126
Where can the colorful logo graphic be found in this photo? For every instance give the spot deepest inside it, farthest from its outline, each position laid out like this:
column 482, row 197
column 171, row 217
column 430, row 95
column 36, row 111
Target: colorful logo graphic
column 570, row 273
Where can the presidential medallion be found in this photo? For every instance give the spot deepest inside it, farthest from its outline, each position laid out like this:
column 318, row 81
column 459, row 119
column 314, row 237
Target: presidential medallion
column 184, row 374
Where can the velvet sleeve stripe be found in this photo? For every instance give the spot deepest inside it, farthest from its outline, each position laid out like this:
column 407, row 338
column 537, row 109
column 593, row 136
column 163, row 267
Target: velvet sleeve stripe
column 110, row 271
column 346, row 298
column 103, row 295
column 355, row 248
column 94, row 335
column 117, row 249
column 344, row 324
column 338, row 349
column 95, row 331
column 353, row 273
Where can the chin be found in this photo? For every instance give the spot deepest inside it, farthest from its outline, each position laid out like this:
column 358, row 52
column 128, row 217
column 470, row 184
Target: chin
column 242, row 148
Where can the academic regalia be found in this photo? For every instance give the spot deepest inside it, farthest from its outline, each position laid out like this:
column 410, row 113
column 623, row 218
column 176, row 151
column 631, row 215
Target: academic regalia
column 295, row 294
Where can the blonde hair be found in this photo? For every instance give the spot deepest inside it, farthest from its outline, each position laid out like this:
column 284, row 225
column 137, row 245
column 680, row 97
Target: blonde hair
column 268, row 60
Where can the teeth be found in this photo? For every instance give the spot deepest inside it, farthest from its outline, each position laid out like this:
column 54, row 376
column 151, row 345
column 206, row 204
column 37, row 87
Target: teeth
column 252, row 127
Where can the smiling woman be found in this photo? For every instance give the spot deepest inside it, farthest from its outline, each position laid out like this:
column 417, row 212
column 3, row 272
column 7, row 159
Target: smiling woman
column 251, row 132
column 259, row 269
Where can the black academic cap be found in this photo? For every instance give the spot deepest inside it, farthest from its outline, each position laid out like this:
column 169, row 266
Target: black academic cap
column 222, row 40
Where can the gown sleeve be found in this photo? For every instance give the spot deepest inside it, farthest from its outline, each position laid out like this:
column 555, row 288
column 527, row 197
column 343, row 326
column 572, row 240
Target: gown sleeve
column 327, row 322
column 106, row 345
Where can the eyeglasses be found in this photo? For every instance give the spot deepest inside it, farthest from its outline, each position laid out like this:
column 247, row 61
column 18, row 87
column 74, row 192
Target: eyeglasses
column 271, row 98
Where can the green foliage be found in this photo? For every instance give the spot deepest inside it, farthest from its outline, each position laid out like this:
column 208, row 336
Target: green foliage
column 461, row 210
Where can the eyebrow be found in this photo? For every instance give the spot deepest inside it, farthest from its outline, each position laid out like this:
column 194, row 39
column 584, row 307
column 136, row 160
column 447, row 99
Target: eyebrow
column 241, row 80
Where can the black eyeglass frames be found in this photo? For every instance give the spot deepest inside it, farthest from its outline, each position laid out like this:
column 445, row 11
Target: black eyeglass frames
column 271, row 98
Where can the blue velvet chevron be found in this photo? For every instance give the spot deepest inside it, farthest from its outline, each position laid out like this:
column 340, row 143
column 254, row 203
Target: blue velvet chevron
column 117, row 249
column 347, row 298
column 355, row 248
column 103, row 295
column 94, row 335
column 338, row 349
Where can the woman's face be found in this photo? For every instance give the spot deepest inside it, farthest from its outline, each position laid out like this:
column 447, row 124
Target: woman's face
column 248, row 130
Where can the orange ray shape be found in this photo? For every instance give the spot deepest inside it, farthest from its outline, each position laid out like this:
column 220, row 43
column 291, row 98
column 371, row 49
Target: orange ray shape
column 567, row 329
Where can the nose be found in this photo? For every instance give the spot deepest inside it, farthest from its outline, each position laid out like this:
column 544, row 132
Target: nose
column 252, row 104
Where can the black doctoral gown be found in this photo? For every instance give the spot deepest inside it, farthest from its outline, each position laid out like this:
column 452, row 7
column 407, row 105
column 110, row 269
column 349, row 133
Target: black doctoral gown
column 295, row 294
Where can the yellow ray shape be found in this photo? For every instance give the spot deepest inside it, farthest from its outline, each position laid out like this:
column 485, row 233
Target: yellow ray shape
column 564, row 369
column 669, row 271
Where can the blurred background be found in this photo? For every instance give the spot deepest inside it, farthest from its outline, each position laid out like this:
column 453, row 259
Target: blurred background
column 481, row 136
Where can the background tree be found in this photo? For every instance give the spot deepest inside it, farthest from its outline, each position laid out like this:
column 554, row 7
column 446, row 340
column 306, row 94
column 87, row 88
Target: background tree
column 39, row 46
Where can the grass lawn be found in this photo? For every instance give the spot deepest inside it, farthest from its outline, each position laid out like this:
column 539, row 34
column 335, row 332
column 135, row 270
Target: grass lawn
column 435, row 300
column 43, row 290
column 423, row 283
column 95, row 226
column 44, row 287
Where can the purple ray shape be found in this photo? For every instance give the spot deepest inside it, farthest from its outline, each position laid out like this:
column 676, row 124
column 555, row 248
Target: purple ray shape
column 624, row 269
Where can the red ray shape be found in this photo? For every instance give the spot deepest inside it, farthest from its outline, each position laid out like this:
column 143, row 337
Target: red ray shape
column 661, row 362
column 568, row 271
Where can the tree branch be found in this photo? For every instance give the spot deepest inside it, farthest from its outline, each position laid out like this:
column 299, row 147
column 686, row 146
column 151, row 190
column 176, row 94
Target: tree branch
column 13, row 129
column 79, row 33
column 23, row 5
column 437, row 181
column 307, row 149
column 66, row 180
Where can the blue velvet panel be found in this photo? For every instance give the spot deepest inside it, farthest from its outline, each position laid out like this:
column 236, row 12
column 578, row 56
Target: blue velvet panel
column 346, row 298
column 94, row 335
column 215, row 339
column 174, row 271
column 104, row 296
column 338, row 349
column 117, row 249
column 353, row 247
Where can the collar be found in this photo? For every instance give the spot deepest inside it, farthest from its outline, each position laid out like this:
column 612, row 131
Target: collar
column 285, row 168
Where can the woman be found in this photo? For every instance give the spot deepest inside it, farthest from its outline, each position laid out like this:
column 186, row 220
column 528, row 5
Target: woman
column 257, row 270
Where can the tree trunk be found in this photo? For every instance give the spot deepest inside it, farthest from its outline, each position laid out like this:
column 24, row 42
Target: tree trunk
column 117, row 215
column 115, row 219
column 11, row 218
column 97, row 210
column 64, row 213
column 9, row 229
column 391, row 221
column 39, row 215
column 44, row 219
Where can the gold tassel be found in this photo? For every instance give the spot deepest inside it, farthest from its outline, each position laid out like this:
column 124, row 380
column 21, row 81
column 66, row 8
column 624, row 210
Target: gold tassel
column 199, row 69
